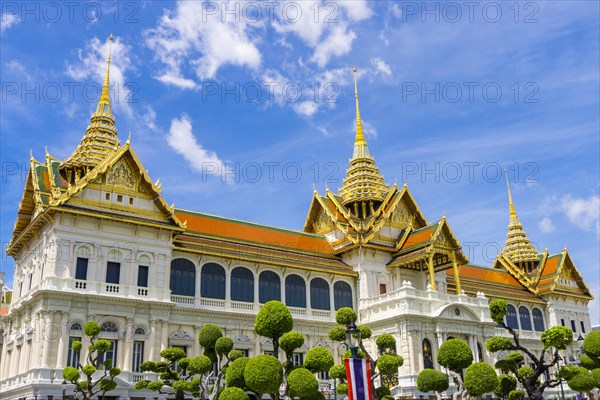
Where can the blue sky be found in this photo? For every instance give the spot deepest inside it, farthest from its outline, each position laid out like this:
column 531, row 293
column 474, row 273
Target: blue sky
column 242, row 108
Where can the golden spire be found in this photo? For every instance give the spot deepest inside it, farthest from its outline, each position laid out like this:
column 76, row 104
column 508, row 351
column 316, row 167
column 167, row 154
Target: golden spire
column 360, row 144
column 518, row 247
column 104, row 103
column 100, row 139
column 363, row 185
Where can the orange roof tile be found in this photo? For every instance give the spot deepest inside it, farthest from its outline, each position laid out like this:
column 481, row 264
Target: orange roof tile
column 419, row 236
column 487, row 275
column 234, row 229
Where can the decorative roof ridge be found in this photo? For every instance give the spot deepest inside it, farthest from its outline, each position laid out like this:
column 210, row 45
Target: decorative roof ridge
column 256, row 224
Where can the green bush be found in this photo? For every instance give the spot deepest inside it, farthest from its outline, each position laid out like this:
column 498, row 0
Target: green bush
column 524, row 372
column 337, row 333
column 318, row 359
column 455, row 355
column 77, row 345
column 155, row 386
column 498, row 310
column 106, row 385
column 314, row 396
column 359, row 354
column 345, row 315
column 382, row 391
column 139, row 385
column 342, row 388
column 588, row 362
column 568, row 372
column 235, row 354
column 338, row 371
column 506, row 384
column 91, row 329
column 200, row 365
column 233, row 393
column 172, row 354
column 496, row 344
column 71, row 374
column 591, row 344
column 290, row 341
column 302, row 382
column 114, row 372
column 273, row 320
column 432, row 380
column 516, row 395
column 558, row 336
column 102, row 346
column 596, row 375
column 389, row 363
column 181, row 386
column 263, row 374
column 582, row 381
column 223, row 345
column 385, row 341
column 211, row 354
column 208, row 335
column 88, row 370
column 480, row 379
column 235, row 373
column 365, row 332
column 515, row 357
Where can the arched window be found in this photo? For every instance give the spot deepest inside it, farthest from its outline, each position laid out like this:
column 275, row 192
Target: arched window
column 479, row 352
column 319, row 294
column 511, row 318
column 525, row 318
column 212, row 281
column 427, row 354
column 139, row 331
column 295, row 291
column 342, row 295
column 183, row 277
column 242, row 285
column 269, row 286
column 538, row 320
column 76, row 326
column 109, row 326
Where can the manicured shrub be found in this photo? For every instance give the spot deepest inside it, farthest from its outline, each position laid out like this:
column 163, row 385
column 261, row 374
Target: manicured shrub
column 337, row 333
column 302, row 382
column 516, row 395
column 557, row 336
column 233, row 393
column 208, row 335
column 91, row 329
column 480, row 379
column 71, row 374
column 235, row 373
column 223, row 345
column 200, row 365
column 385, row 341
column 273, row 320
column 389, row 363
column 382, row 391
column 497, row 344
column 290, row 341
column 432, row 380
column 455, row 354
column 263, row 374
column 345, row 315
column 318, row 359
column 591, row 344
column 171, row 353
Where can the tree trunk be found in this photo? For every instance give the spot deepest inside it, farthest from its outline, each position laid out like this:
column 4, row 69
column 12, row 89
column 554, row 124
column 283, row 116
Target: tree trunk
column 179, row 395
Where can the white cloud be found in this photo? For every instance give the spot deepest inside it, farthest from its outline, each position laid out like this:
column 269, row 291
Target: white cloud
column 193, row 35
column 149, row 119
column 8, row 20
column 338, row 43
column 92, row 67
column 357, row 10
column 305, row 108
column 585, row 213
column 395, row 10
column 546, row 225
column 181, row 139
column 381, row 66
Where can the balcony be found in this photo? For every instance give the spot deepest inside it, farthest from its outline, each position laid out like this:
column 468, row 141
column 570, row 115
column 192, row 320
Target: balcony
column 407, row 300
column 243, row 307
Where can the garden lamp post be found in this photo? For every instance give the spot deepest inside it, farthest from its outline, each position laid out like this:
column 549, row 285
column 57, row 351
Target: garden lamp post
column 353, row 338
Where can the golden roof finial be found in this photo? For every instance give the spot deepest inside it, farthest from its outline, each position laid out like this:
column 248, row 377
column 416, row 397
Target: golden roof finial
column 105, row 96
column 511, row 205
column 518, row 247
column 360, row 135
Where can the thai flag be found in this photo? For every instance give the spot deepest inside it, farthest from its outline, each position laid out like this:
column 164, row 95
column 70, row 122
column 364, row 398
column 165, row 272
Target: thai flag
column 358, row 375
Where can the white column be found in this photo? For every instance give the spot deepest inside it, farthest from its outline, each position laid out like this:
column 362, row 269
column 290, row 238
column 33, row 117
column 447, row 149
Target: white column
column 331, row 298
column 164, row 337
column 152, row 341
column 46, row 342
column 128, row 343
column 63, row 342
column 197, row 290
column 196, row 344
column 282, row 289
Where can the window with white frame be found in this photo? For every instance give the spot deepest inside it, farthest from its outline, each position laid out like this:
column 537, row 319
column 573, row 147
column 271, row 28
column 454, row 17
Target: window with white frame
column 111, row 354
column 72, row 355
column 138, row 355
column 298, row 359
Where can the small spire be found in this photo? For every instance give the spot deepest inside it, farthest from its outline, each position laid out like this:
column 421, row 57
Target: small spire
column 511, row 205
column 129, row 138
column 360, row 135
column 104, row 104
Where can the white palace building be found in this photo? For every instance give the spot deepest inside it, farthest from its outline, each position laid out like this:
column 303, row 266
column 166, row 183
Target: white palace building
column 95, row 240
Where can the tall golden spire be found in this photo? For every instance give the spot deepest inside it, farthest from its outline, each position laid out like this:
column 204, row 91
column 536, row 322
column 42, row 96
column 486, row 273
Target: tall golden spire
column 363, row 189
column 518, row 247
column 100, row 139
column 360, row 144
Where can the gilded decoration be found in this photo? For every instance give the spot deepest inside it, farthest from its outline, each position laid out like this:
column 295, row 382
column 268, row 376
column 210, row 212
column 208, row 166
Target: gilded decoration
column 121, row 175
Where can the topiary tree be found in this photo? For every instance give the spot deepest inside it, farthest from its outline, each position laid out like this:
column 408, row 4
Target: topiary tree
column 553, row 339
column 506, row 384
column 89, row 387
column 263, row 375
column 586, row 378
column 480, row 378
column 338, row 374
column 432, row 380
column 191, row 375
column 302, row 383
column 272, row 321
column 387, row 364
column 455, row 355
column 318, row 359
column 233, row 393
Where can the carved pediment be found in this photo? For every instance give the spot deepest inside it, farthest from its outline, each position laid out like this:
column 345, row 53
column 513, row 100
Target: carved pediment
column 121, row 174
